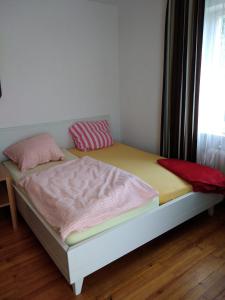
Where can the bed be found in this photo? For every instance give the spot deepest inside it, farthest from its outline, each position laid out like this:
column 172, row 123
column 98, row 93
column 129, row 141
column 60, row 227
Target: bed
column 75, row 257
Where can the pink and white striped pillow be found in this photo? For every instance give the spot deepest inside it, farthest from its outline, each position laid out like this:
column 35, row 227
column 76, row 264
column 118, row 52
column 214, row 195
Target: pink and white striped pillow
column 91, row 135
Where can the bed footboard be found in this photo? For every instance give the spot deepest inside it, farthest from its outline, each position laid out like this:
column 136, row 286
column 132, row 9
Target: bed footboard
column 78, row 261
column 92, row 254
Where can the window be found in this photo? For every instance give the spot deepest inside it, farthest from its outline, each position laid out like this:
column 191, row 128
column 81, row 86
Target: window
column 223, row 53
column 212, row 85
column 211, row 126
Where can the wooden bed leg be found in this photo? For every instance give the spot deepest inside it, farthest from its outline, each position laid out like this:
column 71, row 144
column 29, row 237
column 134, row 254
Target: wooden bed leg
column 211, row 211
column 77, row 286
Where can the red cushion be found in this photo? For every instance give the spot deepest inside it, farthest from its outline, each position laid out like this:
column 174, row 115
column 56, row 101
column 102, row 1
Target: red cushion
column 91, row 135
column 202, row 178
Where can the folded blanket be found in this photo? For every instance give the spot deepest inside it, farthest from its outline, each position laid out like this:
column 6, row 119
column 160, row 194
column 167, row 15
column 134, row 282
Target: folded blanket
column 84, row 192
column 202, row 178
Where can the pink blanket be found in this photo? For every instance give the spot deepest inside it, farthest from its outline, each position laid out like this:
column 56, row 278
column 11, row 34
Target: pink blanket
column 84, row 192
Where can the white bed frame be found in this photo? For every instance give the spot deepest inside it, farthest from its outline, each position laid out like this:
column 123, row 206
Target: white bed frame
column 78, row 261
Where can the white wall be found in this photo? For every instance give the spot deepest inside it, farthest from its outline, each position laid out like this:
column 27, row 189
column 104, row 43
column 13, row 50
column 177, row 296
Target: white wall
column 141, row 39
column 58, row 60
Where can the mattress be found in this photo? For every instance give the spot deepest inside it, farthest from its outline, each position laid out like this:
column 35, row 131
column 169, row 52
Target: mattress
column 76, row 237
column 143, row 165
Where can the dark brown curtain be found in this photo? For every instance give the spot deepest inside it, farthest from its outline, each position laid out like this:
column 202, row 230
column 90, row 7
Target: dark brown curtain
column 182, row 64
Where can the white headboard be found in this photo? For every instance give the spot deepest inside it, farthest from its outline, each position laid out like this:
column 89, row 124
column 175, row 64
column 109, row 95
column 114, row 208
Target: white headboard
column 59, row 130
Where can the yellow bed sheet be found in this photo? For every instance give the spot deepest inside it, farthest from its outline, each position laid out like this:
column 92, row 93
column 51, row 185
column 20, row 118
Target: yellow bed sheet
column 143, row 165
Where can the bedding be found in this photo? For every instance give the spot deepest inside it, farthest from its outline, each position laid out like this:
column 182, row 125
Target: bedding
column 133, row 160
column 33, row 151
column 91, row 135
column 84, row 192
column 145, row 166
column 202, row 178
column 17, row 174
column 75, row 237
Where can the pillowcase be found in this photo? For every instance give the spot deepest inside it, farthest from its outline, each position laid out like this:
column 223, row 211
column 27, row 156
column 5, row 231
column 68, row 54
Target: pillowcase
column 30, row 152
column 91, row 135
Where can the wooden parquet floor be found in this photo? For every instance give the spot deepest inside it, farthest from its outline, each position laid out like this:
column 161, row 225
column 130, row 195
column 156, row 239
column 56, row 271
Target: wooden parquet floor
column 185, row 263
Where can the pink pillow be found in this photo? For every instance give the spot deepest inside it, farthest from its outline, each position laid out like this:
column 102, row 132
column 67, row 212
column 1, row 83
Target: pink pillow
column 34, row 151
column 91, row 135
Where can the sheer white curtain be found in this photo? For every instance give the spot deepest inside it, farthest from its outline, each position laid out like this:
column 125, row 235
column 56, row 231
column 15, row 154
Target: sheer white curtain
column 211, row 127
